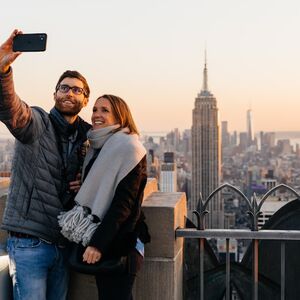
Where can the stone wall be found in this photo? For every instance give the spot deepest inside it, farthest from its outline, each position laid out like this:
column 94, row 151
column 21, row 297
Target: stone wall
column 161, row 274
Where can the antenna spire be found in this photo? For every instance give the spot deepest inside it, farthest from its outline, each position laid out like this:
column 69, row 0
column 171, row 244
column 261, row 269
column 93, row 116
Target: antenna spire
column 205, row 78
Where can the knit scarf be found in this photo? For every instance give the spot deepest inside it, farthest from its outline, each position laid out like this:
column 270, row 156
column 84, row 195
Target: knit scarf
column 66, row 133
column 61, row 125
column 97, row 138
column 120, row 153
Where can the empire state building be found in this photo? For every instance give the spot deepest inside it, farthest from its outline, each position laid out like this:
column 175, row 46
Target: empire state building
column 206, row 155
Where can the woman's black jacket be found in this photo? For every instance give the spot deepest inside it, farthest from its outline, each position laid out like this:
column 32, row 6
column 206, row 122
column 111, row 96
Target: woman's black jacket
column 124, row 222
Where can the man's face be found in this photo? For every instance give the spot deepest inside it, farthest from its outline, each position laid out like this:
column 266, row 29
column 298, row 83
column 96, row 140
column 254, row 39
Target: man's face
column 70, row 98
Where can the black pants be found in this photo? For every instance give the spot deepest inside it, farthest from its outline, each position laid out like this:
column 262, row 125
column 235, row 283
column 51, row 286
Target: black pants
column 119, row 286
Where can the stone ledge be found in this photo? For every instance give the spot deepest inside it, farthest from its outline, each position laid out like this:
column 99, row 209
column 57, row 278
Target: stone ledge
column 161, row 275
column 164, row 213
column 160, row 279
column 150, row 187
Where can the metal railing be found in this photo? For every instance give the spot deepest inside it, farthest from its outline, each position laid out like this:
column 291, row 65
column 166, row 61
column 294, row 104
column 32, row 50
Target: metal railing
column 254, row 210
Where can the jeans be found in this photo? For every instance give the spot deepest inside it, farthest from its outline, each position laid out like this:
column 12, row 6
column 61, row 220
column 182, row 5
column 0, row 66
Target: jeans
column 38, row 269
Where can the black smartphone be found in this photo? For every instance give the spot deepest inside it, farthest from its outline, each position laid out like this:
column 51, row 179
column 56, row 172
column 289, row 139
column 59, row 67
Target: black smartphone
column 30, row 42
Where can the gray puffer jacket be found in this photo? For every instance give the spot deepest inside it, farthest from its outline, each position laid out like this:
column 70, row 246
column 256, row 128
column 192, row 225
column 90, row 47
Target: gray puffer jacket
column 39, row 181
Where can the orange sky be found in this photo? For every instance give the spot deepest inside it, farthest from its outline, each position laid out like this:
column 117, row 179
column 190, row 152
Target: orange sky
column 151, row 53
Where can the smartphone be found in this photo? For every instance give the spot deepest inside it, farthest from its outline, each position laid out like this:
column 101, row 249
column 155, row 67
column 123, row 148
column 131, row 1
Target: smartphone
column 30, row 42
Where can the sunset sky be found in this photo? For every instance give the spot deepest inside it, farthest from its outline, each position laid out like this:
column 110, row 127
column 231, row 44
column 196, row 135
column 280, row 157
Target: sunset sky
column 151, row 53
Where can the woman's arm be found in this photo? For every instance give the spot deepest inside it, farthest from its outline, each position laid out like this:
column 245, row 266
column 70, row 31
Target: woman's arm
column 128, row 192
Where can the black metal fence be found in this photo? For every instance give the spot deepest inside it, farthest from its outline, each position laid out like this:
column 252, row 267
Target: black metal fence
column 254, row 234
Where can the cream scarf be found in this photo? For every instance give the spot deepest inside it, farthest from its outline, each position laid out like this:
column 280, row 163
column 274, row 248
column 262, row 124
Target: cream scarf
column 120, row 153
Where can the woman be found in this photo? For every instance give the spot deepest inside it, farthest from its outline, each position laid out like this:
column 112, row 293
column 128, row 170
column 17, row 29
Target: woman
column 114, row 178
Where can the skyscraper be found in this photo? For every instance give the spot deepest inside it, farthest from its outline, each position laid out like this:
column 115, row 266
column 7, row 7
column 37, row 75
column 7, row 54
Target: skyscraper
column 206, row 154
column 225, row 134
column 168, row 174
column 250, row 134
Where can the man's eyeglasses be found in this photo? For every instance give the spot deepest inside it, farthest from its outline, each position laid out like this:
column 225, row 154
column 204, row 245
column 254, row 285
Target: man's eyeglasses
column 64, row 88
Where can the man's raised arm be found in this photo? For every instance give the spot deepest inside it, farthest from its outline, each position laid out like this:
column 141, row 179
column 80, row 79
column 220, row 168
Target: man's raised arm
column 14, row 113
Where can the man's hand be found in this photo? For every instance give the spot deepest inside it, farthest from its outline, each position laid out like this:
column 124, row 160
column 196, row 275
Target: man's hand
column 7, row 56
column 91, row 255
column 74, row 186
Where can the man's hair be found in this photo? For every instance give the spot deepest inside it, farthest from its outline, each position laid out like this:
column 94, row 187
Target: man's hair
column 121, row 112
column 74, row 74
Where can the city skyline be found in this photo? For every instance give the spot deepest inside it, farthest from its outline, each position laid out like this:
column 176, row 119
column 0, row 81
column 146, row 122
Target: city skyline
column 151, row 54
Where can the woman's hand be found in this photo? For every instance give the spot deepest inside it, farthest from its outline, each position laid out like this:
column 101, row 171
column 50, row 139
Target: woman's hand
column 91, row 255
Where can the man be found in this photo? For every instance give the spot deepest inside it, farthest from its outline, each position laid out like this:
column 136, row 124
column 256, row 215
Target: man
column 48, row 154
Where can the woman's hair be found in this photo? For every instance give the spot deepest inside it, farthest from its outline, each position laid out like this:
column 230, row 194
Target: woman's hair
column 121, row 112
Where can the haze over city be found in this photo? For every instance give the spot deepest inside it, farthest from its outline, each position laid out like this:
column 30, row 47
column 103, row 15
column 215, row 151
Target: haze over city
column 151, row 53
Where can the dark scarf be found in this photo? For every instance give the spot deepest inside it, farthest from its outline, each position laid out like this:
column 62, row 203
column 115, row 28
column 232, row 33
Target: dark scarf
column 62, row 127
column 66, row 133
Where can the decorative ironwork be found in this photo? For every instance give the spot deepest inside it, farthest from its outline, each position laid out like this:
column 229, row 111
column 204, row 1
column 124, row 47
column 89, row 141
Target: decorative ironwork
column 254, row 211
column 253, row 204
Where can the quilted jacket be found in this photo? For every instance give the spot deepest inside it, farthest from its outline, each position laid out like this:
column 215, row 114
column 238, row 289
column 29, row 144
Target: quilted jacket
column 39, row 181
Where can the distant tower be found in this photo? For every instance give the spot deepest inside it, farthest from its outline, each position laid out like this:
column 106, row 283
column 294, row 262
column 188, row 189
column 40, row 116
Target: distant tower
column 225, row 134
column 206, row 154
column 168, row 174
column 250, row 137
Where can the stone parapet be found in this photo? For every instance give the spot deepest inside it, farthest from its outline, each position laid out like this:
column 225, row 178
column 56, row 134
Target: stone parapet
column 161, row 278
column 162, row 274
column 164, row 213
column 162, row 271
column 150, row 187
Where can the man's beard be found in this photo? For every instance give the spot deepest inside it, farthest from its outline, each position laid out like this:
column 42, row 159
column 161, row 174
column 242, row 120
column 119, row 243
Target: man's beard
column 68, row 111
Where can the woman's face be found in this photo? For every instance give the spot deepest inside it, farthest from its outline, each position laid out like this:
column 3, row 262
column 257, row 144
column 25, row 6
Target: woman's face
column 103, row 114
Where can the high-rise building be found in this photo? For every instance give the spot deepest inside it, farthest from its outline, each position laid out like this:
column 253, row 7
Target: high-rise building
column 284, row 146
column 267, row 141
column 297, row 150
column 187, row 142
column 168, row 174
column 206, row 154
column 152, row 164
column 234, row 138
column 243, row 141
column 225, row 134
column 250, row 134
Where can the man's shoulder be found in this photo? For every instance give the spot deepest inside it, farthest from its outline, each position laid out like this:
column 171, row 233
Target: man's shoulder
column 40, row 115
column 39, row 110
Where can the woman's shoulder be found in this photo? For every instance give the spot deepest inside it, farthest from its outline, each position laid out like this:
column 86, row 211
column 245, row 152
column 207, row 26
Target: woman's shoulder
column 130, row 142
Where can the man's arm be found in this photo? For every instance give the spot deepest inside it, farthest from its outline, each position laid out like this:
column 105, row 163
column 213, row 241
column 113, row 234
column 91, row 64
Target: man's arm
column 14, row 113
